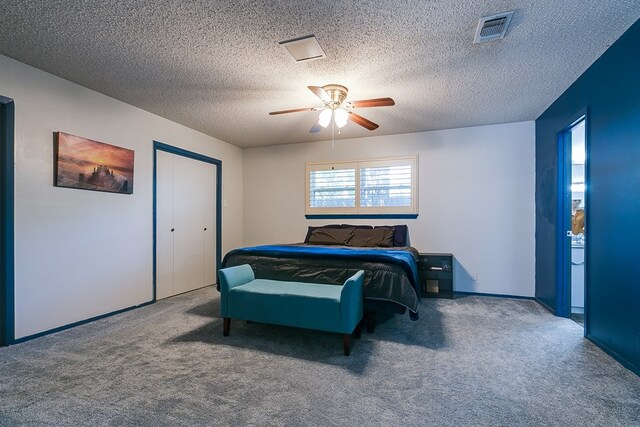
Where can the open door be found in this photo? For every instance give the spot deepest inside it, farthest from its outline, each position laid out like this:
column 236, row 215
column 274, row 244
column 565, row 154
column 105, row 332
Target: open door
column 572, row 190
column 578, row 220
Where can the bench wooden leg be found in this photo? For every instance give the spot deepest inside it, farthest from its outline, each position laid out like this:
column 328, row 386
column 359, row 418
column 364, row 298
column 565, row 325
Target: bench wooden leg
column 346, row 342
column 371, row 322
column 226, row 325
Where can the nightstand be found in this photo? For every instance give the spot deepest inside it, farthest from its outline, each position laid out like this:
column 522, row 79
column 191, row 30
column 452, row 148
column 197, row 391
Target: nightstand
column 436, row 275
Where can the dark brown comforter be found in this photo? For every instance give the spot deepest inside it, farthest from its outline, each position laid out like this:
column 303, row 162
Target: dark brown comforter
column 390, row 284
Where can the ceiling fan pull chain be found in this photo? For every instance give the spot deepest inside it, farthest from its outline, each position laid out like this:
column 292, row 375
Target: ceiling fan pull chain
column 333, row 141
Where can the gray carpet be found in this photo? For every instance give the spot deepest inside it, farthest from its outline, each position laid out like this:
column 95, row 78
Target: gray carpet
column 470, row 361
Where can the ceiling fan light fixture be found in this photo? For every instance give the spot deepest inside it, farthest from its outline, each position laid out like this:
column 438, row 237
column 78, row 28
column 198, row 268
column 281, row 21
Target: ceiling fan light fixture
column 341, row 116
column 335, row 107
column 325, row 117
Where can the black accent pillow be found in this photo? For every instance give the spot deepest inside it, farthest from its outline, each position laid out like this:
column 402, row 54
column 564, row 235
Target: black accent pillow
column 399, row 233
column 370, row 238
column 331, row 236
column 367, row 227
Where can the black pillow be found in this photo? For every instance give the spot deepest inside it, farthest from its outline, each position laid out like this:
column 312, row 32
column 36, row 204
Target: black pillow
column 399, row 233
column 367, row 227
column 377, row 237
column 331, row 236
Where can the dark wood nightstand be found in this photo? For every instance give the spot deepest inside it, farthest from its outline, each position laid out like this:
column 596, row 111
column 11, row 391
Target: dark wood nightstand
column 436, row 275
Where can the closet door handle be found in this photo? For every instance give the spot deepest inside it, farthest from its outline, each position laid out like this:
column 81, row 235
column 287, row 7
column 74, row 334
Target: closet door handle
column 205, row 229
column 172, row 229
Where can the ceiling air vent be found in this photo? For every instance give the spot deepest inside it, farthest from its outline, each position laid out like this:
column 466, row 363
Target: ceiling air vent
column 304, row 48
column 492, row 27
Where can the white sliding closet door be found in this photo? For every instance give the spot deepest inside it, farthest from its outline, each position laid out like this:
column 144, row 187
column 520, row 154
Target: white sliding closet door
column 186, row 224
column 188, row 221
column 164, row 224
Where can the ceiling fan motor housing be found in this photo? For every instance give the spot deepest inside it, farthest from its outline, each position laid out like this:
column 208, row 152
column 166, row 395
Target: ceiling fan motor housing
column 337, row 93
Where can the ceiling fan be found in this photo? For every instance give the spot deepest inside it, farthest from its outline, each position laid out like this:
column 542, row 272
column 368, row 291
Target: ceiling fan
column 336, row 107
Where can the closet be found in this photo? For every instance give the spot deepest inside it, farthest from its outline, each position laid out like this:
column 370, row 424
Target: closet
column 185, row 224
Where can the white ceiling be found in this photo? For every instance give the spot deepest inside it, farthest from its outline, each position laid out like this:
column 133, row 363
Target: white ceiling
column 215, row 66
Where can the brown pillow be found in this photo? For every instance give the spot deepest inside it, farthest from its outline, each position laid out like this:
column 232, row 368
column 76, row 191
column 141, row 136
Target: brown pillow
column 330, row 236
column 311, row 229
column 382, row 237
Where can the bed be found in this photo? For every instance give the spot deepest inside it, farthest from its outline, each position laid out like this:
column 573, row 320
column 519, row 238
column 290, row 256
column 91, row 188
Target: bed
column 333, row 253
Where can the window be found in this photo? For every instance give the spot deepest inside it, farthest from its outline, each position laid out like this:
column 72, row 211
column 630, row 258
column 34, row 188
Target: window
column 366, row 187
column 332, row 188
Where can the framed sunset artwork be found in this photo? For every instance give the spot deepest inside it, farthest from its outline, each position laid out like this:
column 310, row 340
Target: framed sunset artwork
column 92, row 165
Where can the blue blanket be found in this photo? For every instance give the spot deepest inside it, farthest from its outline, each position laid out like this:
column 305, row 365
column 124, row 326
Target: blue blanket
column 401, row 257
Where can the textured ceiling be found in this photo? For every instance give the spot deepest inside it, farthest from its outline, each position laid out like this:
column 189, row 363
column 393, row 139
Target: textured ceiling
column 215, row 66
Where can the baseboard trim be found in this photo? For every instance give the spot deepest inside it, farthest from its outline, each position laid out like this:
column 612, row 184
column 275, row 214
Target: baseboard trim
column 551, row 310
column 624, row 362
column 482, row 294
column 81, row 322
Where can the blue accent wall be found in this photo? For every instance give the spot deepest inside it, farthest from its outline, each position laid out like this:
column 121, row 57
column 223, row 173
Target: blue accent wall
column 610, row 93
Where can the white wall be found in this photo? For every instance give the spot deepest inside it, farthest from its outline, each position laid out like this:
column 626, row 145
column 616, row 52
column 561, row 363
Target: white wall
column 80, row 254
column 476, row 198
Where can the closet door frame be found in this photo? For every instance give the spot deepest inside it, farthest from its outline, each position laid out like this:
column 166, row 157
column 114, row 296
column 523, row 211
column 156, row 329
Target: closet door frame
column 195, row 156
column 7, row 285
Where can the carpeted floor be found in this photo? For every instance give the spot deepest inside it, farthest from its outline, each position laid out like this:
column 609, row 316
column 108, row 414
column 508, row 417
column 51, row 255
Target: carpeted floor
column 470, row 361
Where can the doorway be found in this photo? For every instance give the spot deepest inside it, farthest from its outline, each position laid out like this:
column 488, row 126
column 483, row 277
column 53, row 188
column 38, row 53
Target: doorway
column 573, row 182
column 578, row 217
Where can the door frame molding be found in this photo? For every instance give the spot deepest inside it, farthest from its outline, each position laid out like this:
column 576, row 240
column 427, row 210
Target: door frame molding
column 563, row 246
column 157, row 145
column 563, row 262
column 7, row 279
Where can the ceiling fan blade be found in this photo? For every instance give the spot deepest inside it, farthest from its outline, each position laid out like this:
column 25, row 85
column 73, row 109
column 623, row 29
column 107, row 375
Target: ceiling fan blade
column 376, row 102
column 320, row 93
column 295, row 110
column 366, row 123
column 316, row 128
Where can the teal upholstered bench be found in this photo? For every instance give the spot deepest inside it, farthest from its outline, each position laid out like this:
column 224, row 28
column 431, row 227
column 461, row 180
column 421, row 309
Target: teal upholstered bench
column 323, row 307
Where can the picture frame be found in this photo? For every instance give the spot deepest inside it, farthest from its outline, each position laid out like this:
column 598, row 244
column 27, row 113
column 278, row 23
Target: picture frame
column 86, row 164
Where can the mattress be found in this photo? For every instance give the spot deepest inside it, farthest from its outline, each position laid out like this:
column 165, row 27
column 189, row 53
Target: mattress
column 391, row 274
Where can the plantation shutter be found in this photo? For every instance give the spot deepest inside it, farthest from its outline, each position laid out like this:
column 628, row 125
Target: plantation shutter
column 386, row 186
column 332, row 188
column 366, row 187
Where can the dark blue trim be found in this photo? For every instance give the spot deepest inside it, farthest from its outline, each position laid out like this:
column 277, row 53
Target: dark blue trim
column 196, row 156
column 81, row 322
column 587, row 208
column 154, row 211
column 7, row 285
column 563, row 244
column 362, row 216
column 482, row 294
column 545, row 305
column 623, row 361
